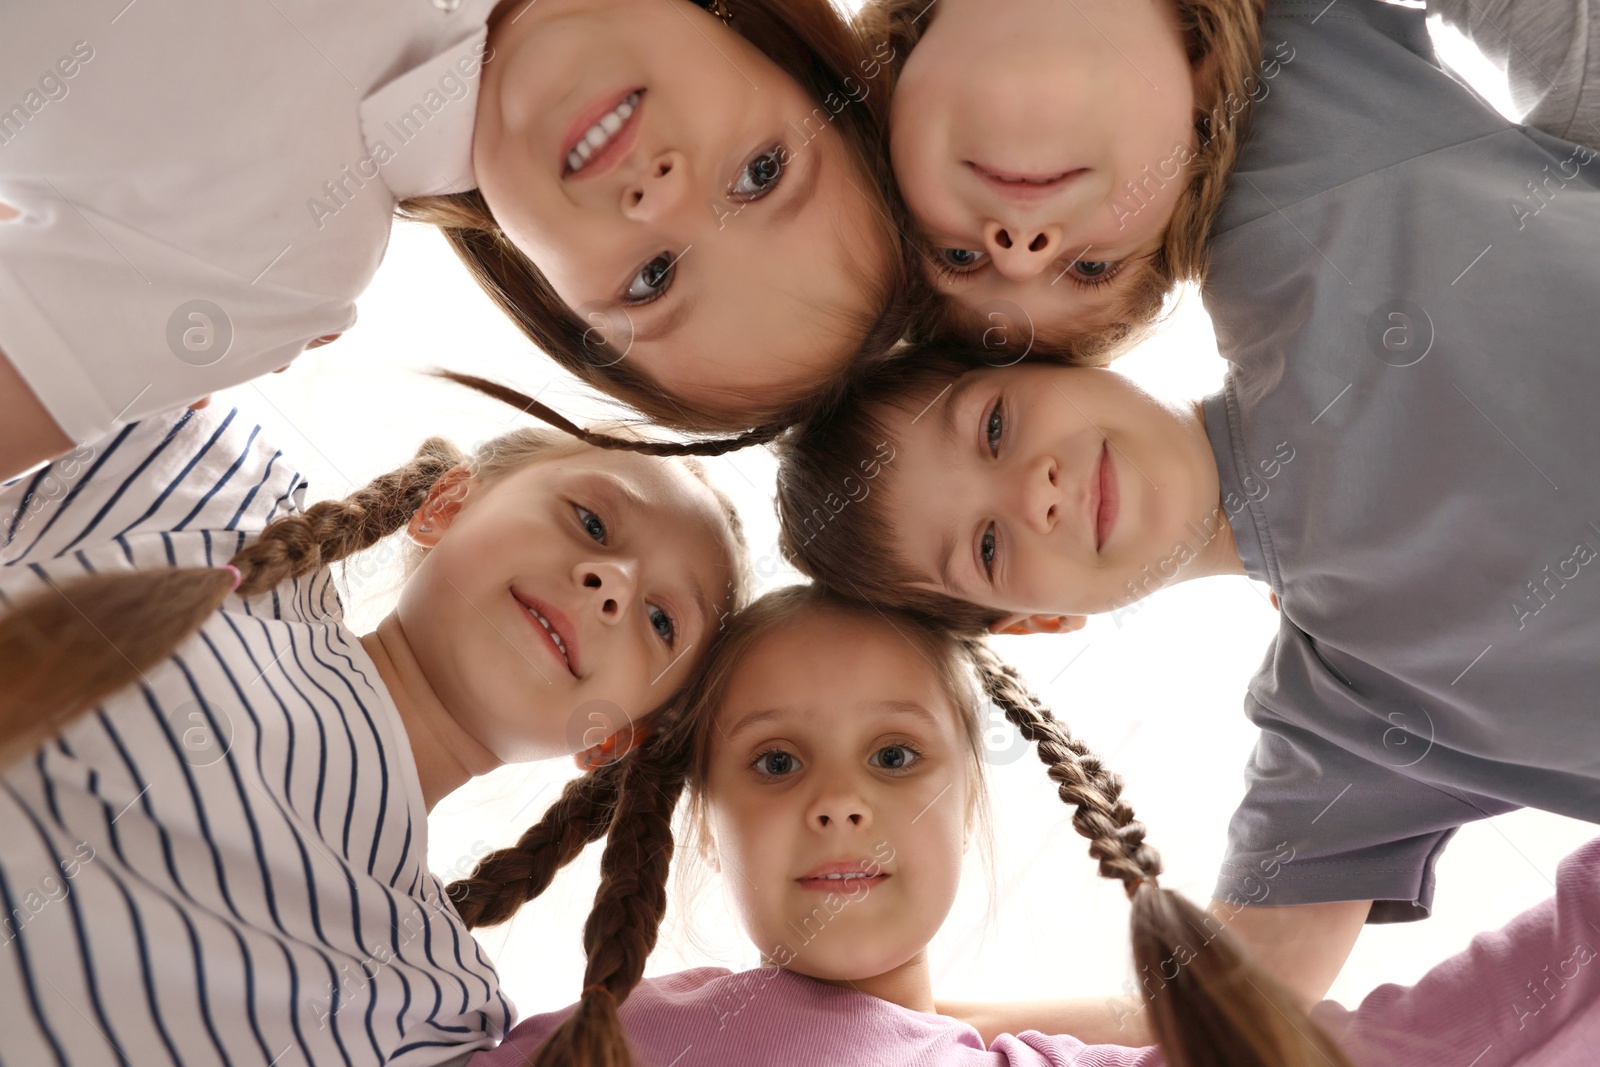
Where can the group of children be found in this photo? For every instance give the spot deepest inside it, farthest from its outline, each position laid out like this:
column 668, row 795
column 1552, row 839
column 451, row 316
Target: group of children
column 929, row 230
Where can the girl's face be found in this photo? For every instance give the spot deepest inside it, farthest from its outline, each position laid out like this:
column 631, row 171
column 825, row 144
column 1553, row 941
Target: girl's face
column 1041, row 489
column 1039, row 145
column 625, row 557
column 711, row 226
column 838, row 792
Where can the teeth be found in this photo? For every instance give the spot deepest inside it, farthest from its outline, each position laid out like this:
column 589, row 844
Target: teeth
column 596, row 136
column 839, row 877
column 552, row 630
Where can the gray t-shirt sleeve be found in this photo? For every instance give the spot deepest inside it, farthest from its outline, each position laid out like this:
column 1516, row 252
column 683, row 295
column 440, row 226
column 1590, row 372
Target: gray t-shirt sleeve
column 1549, row 51
column 1320, row 824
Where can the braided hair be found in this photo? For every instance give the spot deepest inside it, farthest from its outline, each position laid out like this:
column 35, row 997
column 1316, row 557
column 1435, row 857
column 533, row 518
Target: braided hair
column 1219, row 1009
column 65, row 649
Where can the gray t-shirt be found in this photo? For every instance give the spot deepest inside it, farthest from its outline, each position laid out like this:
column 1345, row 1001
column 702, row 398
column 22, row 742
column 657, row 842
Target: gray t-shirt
column 1406, row 287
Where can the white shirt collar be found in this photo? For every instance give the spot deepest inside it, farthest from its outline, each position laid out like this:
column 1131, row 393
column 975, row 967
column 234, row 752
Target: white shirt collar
column 418, row 126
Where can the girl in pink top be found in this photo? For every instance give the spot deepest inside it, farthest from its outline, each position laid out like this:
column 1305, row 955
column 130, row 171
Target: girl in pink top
column 833, row 758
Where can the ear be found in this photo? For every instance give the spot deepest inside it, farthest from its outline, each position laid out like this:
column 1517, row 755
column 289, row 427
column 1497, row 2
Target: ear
column 440, row 508
column 1039, row 624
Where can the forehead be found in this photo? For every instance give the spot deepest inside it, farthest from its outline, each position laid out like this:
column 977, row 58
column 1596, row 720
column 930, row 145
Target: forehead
column 826, row 667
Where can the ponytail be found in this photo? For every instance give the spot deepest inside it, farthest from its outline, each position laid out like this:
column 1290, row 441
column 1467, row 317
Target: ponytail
column 64, row 650
column 1220, row 1009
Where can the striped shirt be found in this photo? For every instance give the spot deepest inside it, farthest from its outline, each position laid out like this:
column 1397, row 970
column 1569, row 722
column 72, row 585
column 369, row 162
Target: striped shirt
column 224, row 864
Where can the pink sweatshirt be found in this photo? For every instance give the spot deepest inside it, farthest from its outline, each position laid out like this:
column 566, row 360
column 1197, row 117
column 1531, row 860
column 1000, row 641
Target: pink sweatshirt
column 1526, row 994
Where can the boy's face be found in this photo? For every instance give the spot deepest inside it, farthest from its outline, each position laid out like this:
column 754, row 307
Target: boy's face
column 1040, row 145
column 838, row 792
column 1041, row 489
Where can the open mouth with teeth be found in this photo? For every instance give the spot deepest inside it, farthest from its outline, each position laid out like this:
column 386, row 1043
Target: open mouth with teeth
column 836, row 876
column 594, row 140
column 549, row 631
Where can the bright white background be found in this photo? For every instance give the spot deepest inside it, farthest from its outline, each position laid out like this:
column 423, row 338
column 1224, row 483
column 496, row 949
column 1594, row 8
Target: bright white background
column 1157, row 693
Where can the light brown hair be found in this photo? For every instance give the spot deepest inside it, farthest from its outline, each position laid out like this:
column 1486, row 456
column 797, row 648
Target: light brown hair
column 64, row 650
column 1223, row 41
column 1220, row 1010
column 814, row 44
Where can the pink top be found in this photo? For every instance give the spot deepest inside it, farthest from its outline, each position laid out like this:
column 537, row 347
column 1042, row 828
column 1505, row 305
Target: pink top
column 1528, row 993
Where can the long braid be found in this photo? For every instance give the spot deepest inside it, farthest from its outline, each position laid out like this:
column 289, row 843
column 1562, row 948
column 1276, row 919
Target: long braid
column 628, row 908
column 759, row 435
column 1219, row 1009
column 507, row 878
column 65, row 649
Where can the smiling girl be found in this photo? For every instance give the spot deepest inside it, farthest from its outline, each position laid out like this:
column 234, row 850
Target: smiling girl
column 685, row 209
column 833, row 756
column 182, row 704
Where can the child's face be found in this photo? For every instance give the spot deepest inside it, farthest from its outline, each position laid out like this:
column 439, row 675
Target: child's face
column 838, row 752
column 1041, row 489
column 626, row 556
column 1016, row 128
column 703, row 238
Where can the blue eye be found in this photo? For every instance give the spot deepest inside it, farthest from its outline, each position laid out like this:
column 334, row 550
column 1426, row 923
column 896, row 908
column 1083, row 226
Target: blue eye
column 761, row 175
column 993, row 428
column 778, row 763
column 592, row 524
column 661, row 622
column 959, row 260
column 653, row 279
column 894, row 757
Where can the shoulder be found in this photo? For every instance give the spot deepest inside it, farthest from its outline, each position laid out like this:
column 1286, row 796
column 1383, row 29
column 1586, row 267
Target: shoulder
column 185, row 472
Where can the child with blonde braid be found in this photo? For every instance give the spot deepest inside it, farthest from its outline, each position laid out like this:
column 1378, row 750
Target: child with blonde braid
column 214, row 795
column 833, row 759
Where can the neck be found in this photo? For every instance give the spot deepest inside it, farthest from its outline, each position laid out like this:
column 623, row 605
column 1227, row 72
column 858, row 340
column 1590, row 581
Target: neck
column 909, row 985
column 1211, row 534
column 446, row 755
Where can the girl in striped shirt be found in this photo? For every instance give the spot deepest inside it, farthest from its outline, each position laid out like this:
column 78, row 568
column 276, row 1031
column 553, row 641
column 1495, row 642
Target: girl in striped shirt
column 213, row 807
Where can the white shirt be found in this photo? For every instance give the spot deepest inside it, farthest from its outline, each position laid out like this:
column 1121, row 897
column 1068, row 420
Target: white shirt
column 226, row 864
column 206, row 187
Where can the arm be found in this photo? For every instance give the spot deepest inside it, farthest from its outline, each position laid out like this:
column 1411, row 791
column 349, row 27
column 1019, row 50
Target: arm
column 28, row 435
column 1304, row 946
column 1111, row 1021
column 1523, row 994
column 1301, row 945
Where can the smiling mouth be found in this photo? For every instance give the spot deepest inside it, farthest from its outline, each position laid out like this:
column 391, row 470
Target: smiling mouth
column 593, row 148
column 556, row 643
column 1019, row 184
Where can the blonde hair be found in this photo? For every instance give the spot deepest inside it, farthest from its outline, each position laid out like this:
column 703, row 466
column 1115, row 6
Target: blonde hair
column 64, row 650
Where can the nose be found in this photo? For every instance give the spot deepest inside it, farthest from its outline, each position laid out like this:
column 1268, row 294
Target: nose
column 610, row 588
column 1040, row 493
column 838, row 805
column 1021, row 253
column 660, row 190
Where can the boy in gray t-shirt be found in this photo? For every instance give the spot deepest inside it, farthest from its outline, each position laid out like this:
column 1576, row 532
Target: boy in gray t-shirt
column 1405, row 284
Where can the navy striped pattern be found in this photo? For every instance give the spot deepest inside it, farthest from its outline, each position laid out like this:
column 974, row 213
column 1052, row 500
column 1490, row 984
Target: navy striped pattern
column 225, row 864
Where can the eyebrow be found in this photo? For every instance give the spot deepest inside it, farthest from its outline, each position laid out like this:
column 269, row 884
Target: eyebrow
column 899, row 707
column 947, row 407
